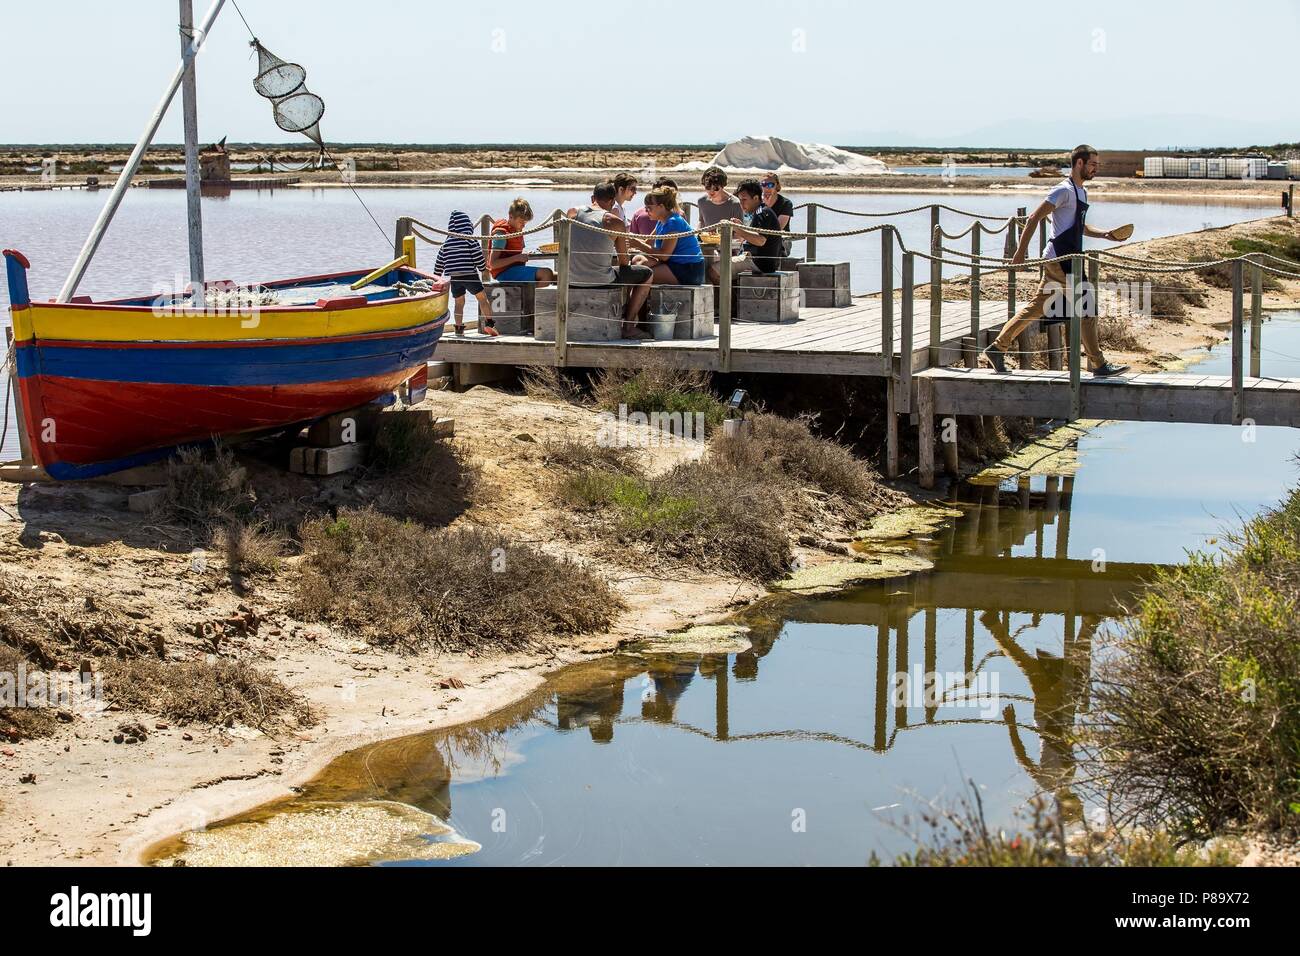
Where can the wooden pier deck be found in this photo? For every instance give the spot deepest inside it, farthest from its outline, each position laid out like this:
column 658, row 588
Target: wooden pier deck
column 823, row 341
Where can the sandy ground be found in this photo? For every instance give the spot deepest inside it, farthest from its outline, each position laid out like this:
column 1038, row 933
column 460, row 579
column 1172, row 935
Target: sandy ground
column 97, row 802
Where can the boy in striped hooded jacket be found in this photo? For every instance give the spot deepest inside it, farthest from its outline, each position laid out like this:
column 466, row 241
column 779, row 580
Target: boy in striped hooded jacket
column 463, row 262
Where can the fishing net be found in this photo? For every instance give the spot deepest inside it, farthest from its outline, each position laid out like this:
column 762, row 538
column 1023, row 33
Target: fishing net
column 297, row 109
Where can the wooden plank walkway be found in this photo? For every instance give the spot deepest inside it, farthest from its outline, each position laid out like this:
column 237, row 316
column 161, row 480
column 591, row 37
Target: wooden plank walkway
column 1146, row 397
column 825, row 341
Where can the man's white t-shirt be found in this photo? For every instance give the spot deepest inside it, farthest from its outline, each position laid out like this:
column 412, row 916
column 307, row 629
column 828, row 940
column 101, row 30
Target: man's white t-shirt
column 1063, row 216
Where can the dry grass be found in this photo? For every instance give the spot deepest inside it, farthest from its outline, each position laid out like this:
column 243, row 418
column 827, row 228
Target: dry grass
column 207, row 492
column 568, row 456
column 52, row 629
column 397, row 583
column 1198, row 708
column 732, row 510
column 21, row 722
column 546, row 381
column 221, row 692
column 1117, row 334
column 659, row 388
column 420, row 476
column 783, row 453
column 961, row 836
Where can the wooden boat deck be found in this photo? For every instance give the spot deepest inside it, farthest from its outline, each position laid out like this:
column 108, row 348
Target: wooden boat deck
column 826, row 341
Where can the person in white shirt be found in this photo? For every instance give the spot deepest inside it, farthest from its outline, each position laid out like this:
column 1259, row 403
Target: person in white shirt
column 624, row 189
column 1067, row 204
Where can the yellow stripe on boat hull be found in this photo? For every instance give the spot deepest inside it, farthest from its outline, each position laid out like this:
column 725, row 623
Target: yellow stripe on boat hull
column 108, row 323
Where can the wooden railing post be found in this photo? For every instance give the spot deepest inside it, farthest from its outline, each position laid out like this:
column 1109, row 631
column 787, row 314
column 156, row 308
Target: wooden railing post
column 975, row 279
column 563, row 229
column 906, row 333
column 556, row 216
column 1094, row 285
column 1013, row 242
column 810, row 250
column 401, row 232
column 1238, row 382
column 887, row 295
column 1042, row 238
column 1256, row 318
column 686, row 211
column 485, row 230
column 724, row 297
column 1076, row 329
column 936, row 287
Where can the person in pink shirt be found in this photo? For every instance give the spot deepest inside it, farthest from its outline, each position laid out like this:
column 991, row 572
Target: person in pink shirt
column 643, row 224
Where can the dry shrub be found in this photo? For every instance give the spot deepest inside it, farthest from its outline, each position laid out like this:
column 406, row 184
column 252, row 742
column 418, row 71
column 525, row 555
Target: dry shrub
column 221, row 692
column 25, row 722
column 547, row 381
column 205, row 491
column 398, row 583
column 780, row 451
column 568, row 455
column 52, row 628
column 420, row 476
column 659, row 388
column 1117, row 333
column 1198, row 706
column 960, row 835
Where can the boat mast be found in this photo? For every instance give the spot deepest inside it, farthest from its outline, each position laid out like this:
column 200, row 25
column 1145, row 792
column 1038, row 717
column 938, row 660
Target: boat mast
column 192, row 173
column 190, row 50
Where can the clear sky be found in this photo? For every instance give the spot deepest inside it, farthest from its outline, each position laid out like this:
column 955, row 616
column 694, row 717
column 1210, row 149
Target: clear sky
column 999, row 73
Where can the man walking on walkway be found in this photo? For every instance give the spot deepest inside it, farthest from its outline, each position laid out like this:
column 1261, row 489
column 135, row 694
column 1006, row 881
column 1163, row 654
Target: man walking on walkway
column 1067, row 204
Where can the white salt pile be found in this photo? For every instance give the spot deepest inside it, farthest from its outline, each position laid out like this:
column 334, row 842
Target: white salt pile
column 773, row 154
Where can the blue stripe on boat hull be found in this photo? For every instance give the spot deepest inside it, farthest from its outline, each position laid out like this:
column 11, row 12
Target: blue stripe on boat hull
column 296, row 364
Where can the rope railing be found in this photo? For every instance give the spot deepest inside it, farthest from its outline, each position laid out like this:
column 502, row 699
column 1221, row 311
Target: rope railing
column 908, row 212
column 1080, row 296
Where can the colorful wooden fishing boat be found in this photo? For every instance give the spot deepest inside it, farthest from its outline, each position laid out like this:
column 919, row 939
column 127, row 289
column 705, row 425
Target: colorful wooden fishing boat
column 104, row 386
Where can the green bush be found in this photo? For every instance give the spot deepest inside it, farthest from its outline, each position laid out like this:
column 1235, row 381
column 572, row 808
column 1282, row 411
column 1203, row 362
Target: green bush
column 1198, row 707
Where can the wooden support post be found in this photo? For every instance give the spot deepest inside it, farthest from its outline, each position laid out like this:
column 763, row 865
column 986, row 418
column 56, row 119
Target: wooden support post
column 951, row 461
column 1042, row 238
column 1256, row 318
column 810, row 250
column 556, row 216
column 485, row 230
column 724, row 298
column 408, row 250
column 906, row 334
column 687, row 207
column 20, row 416
column 925, row 430
column 887, row 293
column 1238, row 383
column 975, row 279
column 1024, row 349
column 564, row 227
column 400, row 233
column 936, row 288
column 970, row 352
column 1054, row 347
column 891, row 428
column 1076, row 329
